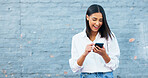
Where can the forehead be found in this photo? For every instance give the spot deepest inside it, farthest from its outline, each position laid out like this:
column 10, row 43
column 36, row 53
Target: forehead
column 96, row 15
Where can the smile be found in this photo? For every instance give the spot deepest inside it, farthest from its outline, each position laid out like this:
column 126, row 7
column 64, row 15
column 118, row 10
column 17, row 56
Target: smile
column 96, row 27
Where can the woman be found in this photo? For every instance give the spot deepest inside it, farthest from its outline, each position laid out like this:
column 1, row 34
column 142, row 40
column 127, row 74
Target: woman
column 94, row 61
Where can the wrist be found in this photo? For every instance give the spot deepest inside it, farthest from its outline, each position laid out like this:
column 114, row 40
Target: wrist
column 84, row 54
column 106, row 58
column 105, row 55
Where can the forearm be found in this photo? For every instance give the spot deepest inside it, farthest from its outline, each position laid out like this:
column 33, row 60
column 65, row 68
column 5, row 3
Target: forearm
column 81, row 59
column 83, row 56
column 106, row 58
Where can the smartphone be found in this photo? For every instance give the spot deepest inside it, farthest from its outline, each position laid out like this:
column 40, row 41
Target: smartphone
column 99, row 44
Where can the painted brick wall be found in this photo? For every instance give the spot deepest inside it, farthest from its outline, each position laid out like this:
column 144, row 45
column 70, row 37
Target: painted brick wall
column 35, row 36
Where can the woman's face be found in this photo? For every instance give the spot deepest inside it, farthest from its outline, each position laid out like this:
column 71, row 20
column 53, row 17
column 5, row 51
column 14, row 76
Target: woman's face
column 95, row 21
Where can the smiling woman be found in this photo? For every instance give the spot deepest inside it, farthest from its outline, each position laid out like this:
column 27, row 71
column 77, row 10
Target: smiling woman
column 95, row 21
column 97, row 14
column 94, row 61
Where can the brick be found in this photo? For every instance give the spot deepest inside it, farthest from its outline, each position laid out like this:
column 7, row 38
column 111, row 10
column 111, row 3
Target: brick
column 35, row 36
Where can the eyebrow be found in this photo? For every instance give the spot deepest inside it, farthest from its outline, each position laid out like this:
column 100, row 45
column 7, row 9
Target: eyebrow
column 96, row 18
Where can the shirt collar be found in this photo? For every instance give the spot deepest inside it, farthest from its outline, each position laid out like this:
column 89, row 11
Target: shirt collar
column 84, row 33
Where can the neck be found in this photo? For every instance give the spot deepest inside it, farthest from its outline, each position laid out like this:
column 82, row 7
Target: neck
column 93, row 34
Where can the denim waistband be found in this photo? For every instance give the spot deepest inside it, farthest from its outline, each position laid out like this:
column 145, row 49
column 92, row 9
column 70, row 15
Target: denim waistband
column 97, row 75
column 96, row 72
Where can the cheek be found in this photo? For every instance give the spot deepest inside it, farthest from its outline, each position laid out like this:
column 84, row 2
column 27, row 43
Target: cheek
column 91, row 23
column 101, row 23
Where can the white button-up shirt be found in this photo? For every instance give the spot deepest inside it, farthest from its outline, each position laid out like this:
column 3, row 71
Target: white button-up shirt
column 93, row 61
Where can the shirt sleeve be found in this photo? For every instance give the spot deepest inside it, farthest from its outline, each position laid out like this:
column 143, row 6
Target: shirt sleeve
column 114, row 53
column 74, row 57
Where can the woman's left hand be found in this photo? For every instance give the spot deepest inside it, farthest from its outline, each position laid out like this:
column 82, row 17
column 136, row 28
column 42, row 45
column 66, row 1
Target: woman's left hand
column 99, row 50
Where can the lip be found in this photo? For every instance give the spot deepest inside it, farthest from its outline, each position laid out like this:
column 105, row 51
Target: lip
column 96, row 27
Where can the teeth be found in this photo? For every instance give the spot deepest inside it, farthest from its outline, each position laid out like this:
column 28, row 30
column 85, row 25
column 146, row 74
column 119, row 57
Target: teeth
column 96, row 26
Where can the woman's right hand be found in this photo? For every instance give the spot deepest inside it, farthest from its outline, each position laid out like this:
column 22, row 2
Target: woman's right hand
column 88, row 49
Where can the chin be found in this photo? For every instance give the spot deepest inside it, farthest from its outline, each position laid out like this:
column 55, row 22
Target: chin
column 95, row 30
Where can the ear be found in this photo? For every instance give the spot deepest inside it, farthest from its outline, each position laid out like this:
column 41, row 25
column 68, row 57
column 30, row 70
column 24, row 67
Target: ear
column 87, row 17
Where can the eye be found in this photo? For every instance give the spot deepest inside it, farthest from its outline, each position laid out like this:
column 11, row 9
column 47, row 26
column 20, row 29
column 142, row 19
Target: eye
column 101, row 20
column 94, row 19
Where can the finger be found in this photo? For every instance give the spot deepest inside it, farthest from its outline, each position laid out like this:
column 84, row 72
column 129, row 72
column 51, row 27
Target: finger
column 98, row 47
column 93, row 47
column 95, row 50
column 91, row 44
column 102, row 48
column 90, row 47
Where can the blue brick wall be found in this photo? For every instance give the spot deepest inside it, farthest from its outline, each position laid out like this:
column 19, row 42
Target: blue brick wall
column 35, row 36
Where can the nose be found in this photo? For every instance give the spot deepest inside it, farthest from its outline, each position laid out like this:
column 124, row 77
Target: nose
column 97, row 23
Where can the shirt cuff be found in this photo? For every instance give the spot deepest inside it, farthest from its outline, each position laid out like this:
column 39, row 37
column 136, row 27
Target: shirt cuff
column 110, row 65
column 75, row 67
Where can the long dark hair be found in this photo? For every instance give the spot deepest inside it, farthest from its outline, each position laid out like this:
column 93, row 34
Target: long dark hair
column 104, row 30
